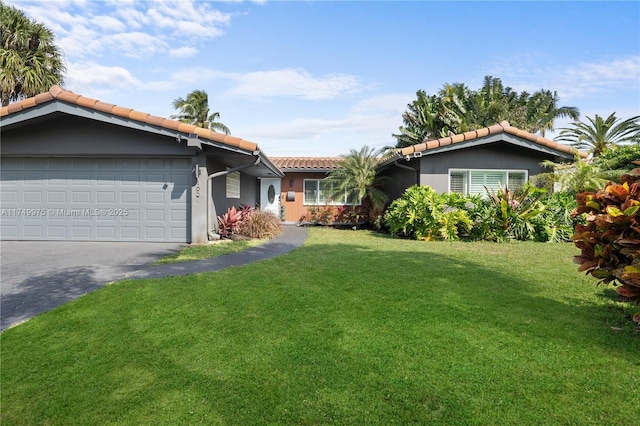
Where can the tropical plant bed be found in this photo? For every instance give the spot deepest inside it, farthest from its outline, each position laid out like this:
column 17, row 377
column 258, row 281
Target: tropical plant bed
column 353, row 328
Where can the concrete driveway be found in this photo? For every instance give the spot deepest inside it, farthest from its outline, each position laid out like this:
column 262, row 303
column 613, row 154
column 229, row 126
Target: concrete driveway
column 38, row 276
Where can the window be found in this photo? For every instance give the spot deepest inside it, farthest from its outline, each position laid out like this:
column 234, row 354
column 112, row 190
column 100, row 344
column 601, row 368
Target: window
column 233, row 185
column 318, row 191
column 473, row 182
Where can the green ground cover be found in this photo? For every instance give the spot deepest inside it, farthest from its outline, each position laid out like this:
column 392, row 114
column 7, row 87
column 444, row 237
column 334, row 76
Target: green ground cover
column 353, row 328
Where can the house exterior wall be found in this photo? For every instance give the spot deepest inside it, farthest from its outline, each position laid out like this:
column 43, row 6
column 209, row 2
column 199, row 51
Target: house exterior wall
column 249, row 189
column 434, row 168
column 67, row 136
column 399, row 179
column 295, row 211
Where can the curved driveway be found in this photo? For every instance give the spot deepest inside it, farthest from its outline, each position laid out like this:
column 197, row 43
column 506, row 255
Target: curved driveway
column 37, row 276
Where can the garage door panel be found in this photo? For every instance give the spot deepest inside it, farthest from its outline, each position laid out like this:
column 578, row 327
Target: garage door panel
column 8, row 195
column 129, row 197
column 33, row 197
column 80, row 197
column 83, row 200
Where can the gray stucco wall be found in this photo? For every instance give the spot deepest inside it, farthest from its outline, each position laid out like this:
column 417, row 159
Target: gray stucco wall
column 399, row 179
column 76, row 136
column 434, row 168
column 249, row 188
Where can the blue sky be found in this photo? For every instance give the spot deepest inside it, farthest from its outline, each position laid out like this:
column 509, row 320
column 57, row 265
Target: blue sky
column 321, row 78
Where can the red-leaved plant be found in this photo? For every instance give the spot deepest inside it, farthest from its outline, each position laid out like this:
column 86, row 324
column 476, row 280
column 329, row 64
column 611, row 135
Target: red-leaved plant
column 230, row 222
column 610, row 239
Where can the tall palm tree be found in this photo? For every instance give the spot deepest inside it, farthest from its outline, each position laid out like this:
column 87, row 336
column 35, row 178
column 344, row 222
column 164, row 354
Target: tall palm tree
column 195, row 110
column 600, row 134
column 543, row 110
column 421, row 121
column 358, row 177
column 30, row 62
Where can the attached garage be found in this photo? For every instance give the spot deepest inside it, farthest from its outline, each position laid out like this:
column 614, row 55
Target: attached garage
column 77, row 169
column 103, row 199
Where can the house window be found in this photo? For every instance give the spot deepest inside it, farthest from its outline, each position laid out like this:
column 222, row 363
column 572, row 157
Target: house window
column 318, row 192
column 473, row 182
column 233, row 185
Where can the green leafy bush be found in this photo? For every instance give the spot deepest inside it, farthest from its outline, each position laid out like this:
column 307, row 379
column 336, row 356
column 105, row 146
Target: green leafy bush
column 509, row 215
column 424, row 214
column 557, row 225
column 609, row 240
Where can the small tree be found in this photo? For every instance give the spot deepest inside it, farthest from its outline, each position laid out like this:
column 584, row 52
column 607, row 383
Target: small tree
column 358, row 177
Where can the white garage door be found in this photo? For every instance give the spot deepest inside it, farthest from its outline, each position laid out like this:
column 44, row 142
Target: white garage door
column 85, row 199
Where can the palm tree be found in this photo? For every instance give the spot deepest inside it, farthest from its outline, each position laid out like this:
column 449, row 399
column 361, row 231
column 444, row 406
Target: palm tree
column 358, row 177
column 576, row 177
column 600, row 134
column 195, row 110
column 421, row 121
column 543, row 110
column 30, row 62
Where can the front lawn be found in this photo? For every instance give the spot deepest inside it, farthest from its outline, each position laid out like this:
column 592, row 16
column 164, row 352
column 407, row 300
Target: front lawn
column 206, row 251
column 353, row 328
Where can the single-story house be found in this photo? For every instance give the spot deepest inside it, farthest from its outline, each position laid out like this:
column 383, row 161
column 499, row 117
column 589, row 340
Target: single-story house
column 303, row 186
column 78, row 169
column 499, row 155
column 75, row 168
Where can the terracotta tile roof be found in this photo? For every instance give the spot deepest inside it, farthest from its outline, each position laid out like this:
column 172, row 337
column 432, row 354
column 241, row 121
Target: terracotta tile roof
column 503, row 127
column 307, row 163
column 58, row 93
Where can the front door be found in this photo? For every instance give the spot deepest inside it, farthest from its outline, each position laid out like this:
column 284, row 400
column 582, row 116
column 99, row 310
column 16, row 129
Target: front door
column 270, row 196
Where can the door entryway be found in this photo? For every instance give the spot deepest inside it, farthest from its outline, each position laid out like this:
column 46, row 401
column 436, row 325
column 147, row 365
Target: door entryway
column 270, row 195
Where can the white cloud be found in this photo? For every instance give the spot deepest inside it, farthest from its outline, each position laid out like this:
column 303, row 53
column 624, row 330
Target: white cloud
column 109, row 23
column 136, row 29
column 295, row 83
column 134, row 44
column 90, row 79
column 370, row 118
column 571, row 81
column 183, row 52
column 283, row 83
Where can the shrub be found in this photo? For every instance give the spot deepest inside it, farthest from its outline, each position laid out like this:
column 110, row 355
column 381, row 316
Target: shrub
column 618, row 158
column 229, row 222
column 423, row 214
column 556, row 220
column 609, row 240
column 323, row 215
column 509, row 215
column 260, row 224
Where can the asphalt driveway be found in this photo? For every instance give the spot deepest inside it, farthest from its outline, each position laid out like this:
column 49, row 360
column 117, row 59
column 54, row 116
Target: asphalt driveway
column 37, row 276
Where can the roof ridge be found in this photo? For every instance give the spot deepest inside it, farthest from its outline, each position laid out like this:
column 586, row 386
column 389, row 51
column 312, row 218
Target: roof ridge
column 56, row 92
column 502, row 127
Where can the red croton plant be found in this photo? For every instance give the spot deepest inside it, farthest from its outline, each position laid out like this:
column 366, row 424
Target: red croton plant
column 610, row 238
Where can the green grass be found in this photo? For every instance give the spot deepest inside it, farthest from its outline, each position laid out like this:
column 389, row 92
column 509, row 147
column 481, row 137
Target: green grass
column 199, row 252
column 353, row 328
